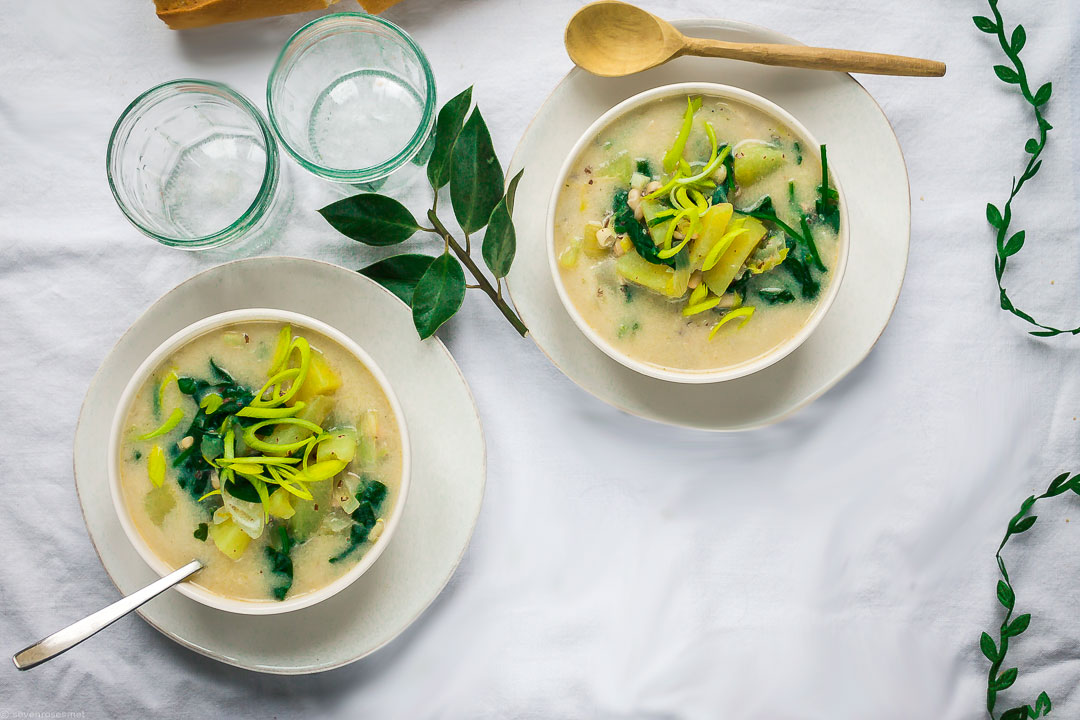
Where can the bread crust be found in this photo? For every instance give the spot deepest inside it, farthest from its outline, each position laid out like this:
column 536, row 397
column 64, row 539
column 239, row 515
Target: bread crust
column 187, row 14
column 377, row 6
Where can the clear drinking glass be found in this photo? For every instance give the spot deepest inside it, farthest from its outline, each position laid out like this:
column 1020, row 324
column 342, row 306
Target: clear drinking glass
column 193, row 164
column 352, row 98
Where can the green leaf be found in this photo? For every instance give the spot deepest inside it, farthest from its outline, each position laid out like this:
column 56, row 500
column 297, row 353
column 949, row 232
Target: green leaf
column 371, row 219
column 1023, row 315
column 242, row 489
column 370, row 494
column 1059, row 485
column 1005, row 595
column 281, row 565
column 989, row 649
column 985, row 24
column 623, row 221
column 447, row 128
column 1007, row 74
column 1024, row 525
column 993, row 215
column 1005, row 679
column 1016, row 713
column 1017, row 626
column 500, row 238
column 476, row 178
column 399, row 273
column 1019, row 39
column 511, row 190
column 438, row 294
column 1015, row 243
column 1032, row 146
column 201, row 532
column 1043, row 94
column 1042, row 704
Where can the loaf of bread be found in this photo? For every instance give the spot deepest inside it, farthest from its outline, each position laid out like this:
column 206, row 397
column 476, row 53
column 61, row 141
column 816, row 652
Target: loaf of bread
column 184, row 14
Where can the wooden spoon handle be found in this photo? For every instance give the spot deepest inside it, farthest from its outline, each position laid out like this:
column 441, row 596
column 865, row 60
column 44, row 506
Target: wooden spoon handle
column 815, row 58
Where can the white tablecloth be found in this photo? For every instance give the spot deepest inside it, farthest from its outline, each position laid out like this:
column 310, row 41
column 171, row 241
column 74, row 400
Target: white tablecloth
column 839, row 565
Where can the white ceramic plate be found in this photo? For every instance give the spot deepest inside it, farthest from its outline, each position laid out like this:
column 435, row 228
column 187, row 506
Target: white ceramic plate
column 444, row 500
column 864, row 154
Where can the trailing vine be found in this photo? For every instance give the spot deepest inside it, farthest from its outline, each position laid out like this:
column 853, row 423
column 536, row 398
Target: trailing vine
column 1001, row 218
column 999, row 680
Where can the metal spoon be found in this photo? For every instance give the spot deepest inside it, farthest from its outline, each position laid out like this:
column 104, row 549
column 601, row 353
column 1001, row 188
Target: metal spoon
column 75, row 633
column 612, row 38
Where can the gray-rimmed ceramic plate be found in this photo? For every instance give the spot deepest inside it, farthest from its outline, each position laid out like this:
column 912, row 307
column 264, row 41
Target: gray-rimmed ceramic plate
column 448, row 475
column 864, row 154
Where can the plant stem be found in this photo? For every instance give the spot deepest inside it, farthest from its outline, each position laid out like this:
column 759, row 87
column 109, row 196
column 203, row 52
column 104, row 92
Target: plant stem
column 481, row 280
column 1034, row 163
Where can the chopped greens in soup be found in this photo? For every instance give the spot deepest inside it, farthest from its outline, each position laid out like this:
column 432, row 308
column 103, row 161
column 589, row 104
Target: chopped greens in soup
column 697, row 233
column 271, row 455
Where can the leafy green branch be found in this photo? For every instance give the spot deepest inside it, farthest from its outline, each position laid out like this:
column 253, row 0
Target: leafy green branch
column 1001, row 218
column 999, row 680
column 463, row 157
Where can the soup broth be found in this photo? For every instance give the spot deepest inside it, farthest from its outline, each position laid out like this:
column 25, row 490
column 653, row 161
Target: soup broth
column 696, row 233
column 257, row 539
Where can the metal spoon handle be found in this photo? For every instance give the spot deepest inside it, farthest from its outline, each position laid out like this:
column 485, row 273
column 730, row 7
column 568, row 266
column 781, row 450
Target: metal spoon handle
column 75, row 633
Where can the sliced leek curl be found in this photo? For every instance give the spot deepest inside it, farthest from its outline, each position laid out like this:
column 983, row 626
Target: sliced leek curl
column 168, row 426
column 744, row 312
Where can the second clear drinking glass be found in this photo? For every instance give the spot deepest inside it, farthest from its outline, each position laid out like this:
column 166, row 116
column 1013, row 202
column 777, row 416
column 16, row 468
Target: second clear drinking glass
column 193, row 165
column 352, row 98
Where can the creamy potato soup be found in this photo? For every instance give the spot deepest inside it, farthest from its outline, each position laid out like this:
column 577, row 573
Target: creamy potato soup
column 268, row 452
column 697, row 233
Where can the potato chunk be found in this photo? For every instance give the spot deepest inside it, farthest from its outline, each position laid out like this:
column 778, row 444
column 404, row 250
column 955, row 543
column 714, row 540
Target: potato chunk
column 755, row 160
column 713, row 226
column 229, row 538
column 321, row 378
column 661, row 279
column 721, row 275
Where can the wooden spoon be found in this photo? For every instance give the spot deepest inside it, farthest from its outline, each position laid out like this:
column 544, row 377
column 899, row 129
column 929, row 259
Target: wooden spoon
column 612, row 38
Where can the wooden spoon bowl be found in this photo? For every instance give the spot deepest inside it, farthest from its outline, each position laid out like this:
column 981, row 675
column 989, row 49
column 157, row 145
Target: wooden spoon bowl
column 611, row 38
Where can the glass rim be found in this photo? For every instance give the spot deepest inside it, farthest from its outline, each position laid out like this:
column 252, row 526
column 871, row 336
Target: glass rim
column 372, row 172
column 254, row 212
